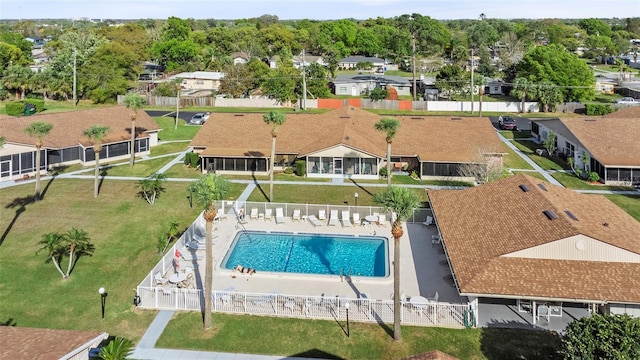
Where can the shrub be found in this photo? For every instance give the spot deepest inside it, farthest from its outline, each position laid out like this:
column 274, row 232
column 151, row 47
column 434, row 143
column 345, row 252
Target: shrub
column 378, row 93
column 593, row 176
column 383, row 172
column 15, row 108
column 39, row 104
column 414, row 175
column 301, row 167
column 602, row 337
column 598, row 109
column 288, row 170
column 187, row 158
column 195, row 160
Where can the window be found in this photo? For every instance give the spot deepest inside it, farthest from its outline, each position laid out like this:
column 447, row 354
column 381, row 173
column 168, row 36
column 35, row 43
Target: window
column 535, row 129
column 342, row 89
column 570, row 149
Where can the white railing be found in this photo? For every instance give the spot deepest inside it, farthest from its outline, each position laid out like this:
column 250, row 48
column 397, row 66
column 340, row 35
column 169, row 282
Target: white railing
column 307, row 307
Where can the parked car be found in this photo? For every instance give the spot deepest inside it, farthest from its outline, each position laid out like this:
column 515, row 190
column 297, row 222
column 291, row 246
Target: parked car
column 199, row 118
column 628, row 101
column 506, row 122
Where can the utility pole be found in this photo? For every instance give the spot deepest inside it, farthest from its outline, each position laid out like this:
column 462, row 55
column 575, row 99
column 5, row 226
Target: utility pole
column 413, row 65
column 472, row 64
column 304, row 84
column 75, row 55
column 175, row 126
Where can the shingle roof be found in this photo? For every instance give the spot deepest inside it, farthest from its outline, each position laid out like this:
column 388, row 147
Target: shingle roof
column 383, row 79
column 44, row 344
column 68, row 126
column 614, row 139
column 430, row 138
column 481, row 225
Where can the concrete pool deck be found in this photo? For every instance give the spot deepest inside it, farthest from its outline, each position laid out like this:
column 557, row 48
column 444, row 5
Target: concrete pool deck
column 418, row 256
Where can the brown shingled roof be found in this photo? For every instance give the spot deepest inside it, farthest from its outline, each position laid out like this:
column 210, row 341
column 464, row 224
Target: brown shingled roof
column 430, row 138
column 614, row 139
column 68, row 126
column 479, row 225
column 43, row 344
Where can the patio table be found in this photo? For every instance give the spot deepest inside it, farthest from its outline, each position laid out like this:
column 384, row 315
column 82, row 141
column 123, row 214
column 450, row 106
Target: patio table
column 177, row 277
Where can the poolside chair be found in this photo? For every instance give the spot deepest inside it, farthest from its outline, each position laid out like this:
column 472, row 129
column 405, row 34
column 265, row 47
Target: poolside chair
column 254, row 213
column 267, row 298
column 268, row 214
column 314, row 220
column 322, row 215
column 333, row 218
column 160, row 280
column 346, row 221
column 356, row 219
column 428, row 221
column 434, row 298
column 382, row 219
column 279, row 216
column 296, row 215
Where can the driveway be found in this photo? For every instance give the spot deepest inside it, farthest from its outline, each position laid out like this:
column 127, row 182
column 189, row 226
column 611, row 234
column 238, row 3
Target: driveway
column 523, row 123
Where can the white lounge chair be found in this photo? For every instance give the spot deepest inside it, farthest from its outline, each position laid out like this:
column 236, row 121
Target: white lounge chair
column 279, row 216
column 254, row 213
column 267, row 298
column 268, row 214
column 333, row 218
column 356, row 219
column 382, row 219
column 296, row 215
column 428, row 221
column 160, row 280
column 346, row 221
column 434, row 298
column 322, row 215
column 314, row 220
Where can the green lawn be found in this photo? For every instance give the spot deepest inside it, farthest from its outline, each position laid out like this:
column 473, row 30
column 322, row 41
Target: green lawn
column 182, row 171
column 521, row 134
column 141, row 168
column 572, row 182
column 514, row 161
column 319, row 194
column 630, row 204
column 326, row 339
column 169, row 148
column 184, row 132
column 528, row 147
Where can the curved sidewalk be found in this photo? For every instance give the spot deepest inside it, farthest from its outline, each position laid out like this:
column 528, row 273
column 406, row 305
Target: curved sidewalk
column 535, row 166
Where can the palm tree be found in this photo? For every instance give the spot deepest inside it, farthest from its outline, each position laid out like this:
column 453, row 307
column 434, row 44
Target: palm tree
column 54, row 244
column 96, row 133
column 205, row 190
column 78, row 242
column 275, row 119
column 17, row 77
column 401, row 201
column 135, row 103
column 38, row 130
column 521, row 88
column 389, row 126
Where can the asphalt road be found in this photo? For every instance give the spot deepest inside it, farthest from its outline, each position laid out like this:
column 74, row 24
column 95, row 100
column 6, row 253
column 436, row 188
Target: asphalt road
column 184, row 115
column 523, row 123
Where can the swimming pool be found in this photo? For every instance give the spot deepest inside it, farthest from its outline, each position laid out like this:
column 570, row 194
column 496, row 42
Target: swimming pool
column 306, row 253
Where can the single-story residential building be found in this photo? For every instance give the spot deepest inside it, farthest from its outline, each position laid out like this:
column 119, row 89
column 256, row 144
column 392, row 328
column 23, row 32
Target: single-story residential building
column 608, row 145
column 66, row 144
column 494, row 87
column 240, row 58
column 350, row 62
column 35, row 343
column 356, row 85
column 605, row 85
column 344, row 143
column 298, row 61
column 535, row 244
column 200, row 80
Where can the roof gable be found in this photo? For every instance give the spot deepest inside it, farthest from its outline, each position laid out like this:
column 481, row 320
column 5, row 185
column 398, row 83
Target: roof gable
column 33, row 343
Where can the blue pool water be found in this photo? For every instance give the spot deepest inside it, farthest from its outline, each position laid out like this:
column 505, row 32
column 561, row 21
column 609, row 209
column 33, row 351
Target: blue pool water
column 309, row 253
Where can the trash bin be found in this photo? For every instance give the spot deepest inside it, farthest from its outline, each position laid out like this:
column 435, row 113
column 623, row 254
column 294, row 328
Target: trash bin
column 29, row 109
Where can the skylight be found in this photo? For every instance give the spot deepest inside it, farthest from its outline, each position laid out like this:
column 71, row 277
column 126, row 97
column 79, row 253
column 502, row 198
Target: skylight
column 541, row 186
column 550, row 214
column 571, row 215
column 524, row 187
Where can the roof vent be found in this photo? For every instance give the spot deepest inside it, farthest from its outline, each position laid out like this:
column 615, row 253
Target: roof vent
column 456, row 118
column 345, row 117
column 541, row 186
column 550, row 214
column 589, row 119
column 571, row 215
column 417, row 118
column 238, row 114
column 605, row 224
column 524, row 187
column 347, row 138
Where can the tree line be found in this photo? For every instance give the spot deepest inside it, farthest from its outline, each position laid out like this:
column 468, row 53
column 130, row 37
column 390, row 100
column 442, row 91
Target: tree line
column 108, row 59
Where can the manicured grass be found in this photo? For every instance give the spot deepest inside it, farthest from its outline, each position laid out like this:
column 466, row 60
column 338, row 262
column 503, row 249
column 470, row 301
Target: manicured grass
column 528, row 147
column 169, row 148
column 514, row 161
column 121, row 226
column 182, row 171
column 522, row 134
column 572, row 182
column 276, row 177
column 326, row 339
column 184, row 132
column 629, row 203
column 141, row 168
column 408, row 180
column 322, row 194
column 534, row 174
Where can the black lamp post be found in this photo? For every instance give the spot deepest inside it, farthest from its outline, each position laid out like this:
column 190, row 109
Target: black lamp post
column 103, row 299
column 346, row 307
column 355, row 195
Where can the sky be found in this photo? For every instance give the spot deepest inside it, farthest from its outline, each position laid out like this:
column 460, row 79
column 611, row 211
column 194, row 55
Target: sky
column 316, row 9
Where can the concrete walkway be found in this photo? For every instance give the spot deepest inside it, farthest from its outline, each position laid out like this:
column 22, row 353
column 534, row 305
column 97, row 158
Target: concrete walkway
column 537, row 167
